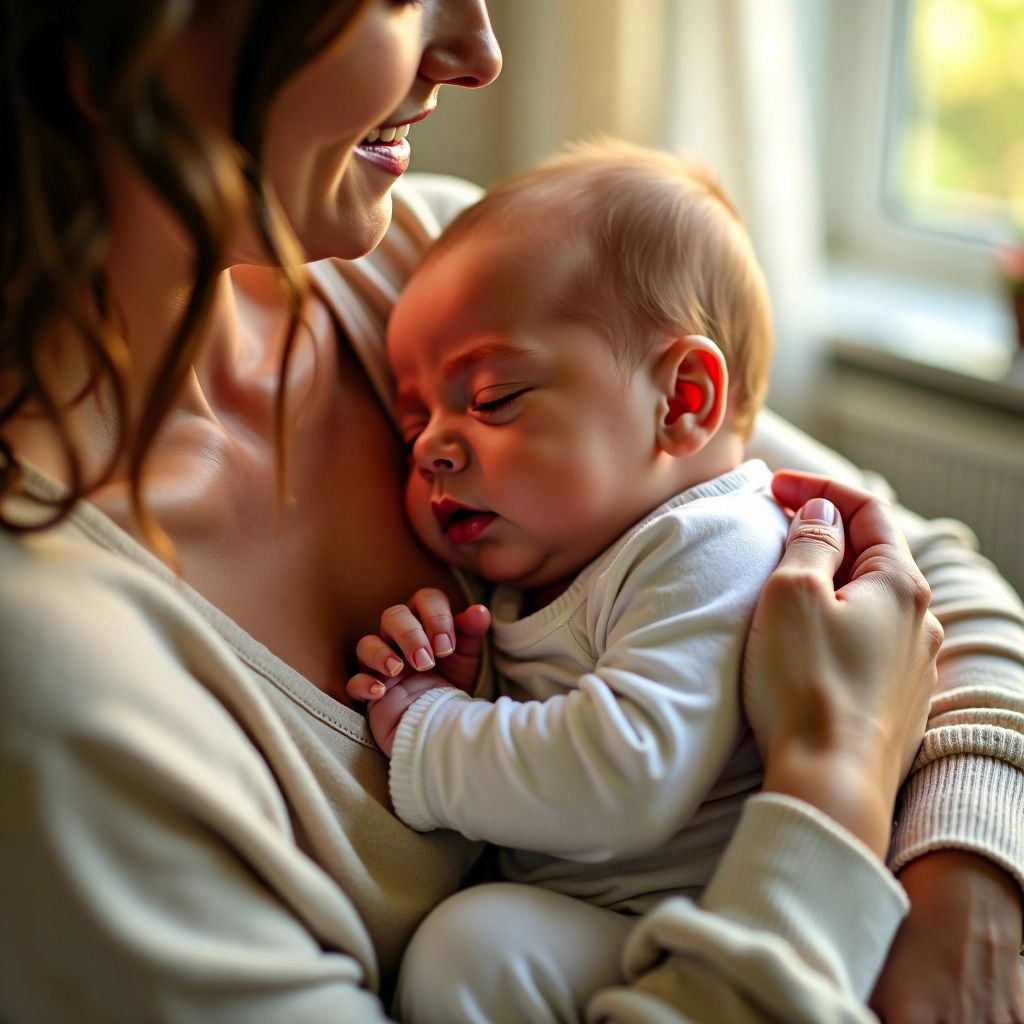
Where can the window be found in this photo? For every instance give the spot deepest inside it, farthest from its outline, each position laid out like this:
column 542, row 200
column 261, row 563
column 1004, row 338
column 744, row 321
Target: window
column 954, row 157
column 910, row 224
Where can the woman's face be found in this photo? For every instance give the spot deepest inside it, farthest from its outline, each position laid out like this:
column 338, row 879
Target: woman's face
column 335, row 139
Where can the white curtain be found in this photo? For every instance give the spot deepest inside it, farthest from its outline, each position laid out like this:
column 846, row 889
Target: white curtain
column 738, row 93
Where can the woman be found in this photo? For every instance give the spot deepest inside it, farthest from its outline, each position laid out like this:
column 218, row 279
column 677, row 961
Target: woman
column 196, row 827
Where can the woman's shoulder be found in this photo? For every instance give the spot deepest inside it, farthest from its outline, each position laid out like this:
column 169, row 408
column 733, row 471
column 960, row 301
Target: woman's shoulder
column 422, row 206
column 439, row 197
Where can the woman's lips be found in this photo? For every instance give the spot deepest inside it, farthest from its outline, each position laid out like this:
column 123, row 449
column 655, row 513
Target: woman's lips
column 392, row 157
column 388, row 147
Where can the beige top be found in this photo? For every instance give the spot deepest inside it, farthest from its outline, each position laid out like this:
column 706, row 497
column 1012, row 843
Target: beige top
column 190, row 831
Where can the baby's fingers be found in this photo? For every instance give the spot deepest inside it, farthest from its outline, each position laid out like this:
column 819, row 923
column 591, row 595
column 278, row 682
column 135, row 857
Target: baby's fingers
column 472, row 623
column 377, row 656
column 363, row 686
column 434, row 611
column 400, row 625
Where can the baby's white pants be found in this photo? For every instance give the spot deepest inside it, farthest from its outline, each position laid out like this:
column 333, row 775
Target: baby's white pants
column 509, row 954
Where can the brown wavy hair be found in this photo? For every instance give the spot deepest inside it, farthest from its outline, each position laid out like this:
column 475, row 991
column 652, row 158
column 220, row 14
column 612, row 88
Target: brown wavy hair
column 54, row 217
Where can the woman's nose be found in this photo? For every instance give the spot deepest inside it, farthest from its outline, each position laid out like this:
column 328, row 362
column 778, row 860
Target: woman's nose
column 461, row 48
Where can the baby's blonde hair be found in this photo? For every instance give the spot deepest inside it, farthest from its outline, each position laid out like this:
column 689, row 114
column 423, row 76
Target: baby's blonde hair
column 652, row 245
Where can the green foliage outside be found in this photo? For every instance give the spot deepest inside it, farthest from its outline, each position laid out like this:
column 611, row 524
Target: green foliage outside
column 960, row 143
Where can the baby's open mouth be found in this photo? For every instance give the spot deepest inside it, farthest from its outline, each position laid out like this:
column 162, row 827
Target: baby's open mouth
column 461, row 523
column 447, row 512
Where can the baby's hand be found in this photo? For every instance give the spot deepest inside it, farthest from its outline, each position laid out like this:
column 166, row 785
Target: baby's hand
column 386, row 713
column 404, row 629
column 414, row 637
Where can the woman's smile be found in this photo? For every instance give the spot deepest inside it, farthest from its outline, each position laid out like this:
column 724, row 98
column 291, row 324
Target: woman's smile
column 387, row 146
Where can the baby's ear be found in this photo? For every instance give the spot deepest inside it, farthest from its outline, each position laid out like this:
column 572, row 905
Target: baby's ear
column 693, row 383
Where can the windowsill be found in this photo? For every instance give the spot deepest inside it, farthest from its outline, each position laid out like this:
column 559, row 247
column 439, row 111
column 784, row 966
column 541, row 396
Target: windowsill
column 959, row 343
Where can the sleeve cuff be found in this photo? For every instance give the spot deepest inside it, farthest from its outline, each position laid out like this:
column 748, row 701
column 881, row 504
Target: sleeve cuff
column 793, row 871
column 963, row 802
column 407, row 780
column 794, row 926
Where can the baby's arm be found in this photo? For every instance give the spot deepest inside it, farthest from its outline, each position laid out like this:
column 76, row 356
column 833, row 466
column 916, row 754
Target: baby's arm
column 618, row 762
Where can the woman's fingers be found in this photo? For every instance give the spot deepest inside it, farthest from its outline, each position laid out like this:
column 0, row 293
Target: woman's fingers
column 842, row 676
column 866, row 515
column 877, row 551
column 815, row 542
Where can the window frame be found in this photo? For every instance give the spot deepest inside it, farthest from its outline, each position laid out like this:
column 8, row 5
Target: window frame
column 856, row 125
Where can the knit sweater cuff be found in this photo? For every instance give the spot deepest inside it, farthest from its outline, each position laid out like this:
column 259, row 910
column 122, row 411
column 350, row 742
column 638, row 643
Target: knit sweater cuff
column 793, row 871
column 963, row 802
column 407, row 778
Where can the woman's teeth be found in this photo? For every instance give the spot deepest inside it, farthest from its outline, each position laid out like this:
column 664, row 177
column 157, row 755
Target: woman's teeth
column 386, row 134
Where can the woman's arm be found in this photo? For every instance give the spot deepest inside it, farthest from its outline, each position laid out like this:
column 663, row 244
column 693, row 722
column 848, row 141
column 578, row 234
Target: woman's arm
column 958, row 846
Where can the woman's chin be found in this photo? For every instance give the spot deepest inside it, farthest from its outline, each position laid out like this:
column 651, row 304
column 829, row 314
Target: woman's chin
column 351, row 238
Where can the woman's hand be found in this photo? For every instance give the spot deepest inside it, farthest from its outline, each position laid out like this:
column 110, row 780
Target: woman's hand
column 954, row 960
column 837, row 682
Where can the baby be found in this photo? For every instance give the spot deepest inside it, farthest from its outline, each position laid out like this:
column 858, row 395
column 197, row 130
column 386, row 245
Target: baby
column 578, row 362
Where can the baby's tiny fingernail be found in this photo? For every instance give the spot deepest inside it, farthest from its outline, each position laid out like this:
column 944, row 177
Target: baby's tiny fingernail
column 422, row 659
column 377, row 689
column 442, row 644
column 393, row 666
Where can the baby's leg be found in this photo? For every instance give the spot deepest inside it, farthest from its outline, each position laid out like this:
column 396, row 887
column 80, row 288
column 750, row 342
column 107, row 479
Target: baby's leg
column 509, row 953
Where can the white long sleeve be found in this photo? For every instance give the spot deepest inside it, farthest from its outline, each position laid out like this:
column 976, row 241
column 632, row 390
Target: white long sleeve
column 634, row 678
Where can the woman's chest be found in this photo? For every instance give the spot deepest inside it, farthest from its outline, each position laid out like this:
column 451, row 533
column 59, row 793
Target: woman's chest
column 305, row 561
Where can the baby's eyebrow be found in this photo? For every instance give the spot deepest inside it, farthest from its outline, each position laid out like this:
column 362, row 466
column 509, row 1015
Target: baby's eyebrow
column 493, row 351
column 408, row 402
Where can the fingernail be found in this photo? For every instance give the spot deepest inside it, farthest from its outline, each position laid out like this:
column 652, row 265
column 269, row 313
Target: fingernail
column 377, row 689
column 392, row 666
column 819, row 510
column 422, row 659
column 442, row 644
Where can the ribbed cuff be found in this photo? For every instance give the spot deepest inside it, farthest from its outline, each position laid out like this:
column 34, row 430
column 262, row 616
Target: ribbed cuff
column 963, row 802
column 796, row 873
column 406, row 779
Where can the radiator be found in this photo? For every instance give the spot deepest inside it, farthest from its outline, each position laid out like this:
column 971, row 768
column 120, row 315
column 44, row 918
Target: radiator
column 944, row 456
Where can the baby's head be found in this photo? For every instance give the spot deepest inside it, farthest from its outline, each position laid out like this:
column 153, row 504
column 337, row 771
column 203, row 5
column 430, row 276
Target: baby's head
column 590, row 338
